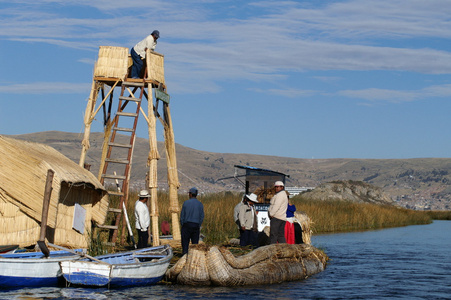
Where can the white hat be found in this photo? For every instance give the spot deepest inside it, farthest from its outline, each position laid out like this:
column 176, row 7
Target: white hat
column 252, row 197
column 144, row 194
column 278, row 183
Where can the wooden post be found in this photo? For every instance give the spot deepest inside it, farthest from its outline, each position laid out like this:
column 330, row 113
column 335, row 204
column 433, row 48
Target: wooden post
column 88, row 121
column 45, row 212
column 173, row 179
column 152, row 160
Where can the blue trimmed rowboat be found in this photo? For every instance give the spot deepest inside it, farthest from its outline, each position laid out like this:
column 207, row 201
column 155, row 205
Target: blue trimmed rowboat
column 145, row 266
column 8, row 248
column 33, row 269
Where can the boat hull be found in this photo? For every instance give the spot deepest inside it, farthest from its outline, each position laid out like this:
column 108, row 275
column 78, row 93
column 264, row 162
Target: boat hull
column 8, row 248
column 32, row 269
column 125, row 269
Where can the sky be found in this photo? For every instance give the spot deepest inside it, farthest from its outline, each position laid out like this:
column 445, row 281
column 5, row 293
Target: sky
column 303, row 79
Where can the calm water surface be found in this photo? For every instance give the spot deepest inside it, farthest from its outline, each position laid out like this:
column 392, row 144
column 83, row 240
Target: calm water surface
column 411, row 262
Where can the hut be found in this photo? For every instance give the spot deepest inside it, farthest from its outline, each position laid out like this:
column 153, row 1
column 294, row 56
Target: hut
column 77, row 197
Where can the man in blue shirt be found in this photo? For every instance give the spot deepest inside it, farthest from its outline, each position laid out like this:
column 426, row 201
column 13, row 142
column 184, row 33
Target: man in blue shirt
column 191, row 219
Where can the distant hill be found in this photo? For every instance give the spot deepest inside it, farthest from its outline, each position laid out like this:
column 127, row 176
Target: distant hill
column 349, row 190
column 421, row 182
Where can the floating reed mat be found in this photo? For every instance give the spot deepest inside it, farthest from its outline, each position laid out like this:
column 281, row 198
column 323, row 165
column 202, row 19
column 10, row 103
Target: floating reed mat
column 213, row 265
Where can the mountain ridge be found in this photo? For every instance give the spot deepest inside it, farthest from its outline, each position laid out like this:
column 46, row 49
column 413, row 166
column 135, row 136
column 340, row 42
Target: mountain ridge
column 421, row 183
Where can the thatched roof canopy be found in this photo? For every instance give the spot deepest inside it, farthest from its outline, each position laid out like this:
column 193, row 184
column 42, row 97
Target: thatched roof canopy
column 23, row 170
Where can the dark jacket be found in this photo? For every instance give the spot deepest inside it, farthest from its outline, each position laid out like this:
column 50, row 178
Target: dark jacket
column 192, row 211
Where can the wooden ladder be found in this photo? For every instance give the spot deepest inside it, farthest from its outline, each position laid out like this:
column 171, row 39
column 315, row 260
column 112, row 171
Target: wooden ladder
column 118, row 159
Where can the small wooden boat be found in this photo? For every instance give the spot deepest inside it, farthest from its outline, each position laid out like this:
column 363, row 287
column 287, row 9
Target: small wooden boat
column 31, row 269
column 139, row 267
column 8, row 248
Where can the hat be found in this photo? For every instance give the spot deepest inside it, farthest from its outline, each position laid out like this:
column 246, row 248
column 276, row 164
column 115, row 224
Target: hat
column 279, row 183
column 144, row 194
column 252, row 197
column 193, row 191
column 156, row 33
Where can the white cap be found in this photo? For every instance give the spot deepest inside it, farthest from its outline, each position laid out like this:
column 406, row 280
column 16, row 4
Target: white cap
column 144, row 194
column 252, row 197
column 278, row 183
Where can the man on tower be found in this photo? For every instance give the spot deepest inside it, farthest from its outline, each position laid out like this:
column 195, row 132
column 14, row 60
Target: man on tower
column 138, row 52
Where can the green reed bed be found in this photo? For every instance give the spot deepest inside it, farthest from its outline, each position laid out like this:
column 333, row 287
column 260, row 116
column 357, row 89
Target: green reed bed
column 341, row 216
column 327, row 216
column 439, row 215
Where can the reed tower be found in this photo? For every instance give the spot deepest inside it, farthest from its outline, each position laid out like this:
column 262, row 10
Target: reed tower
column 122, row 101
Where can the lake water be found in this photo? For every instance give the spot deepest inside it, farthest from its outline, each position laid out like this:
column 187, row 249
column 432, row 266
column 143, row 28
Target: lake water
column 412, row 262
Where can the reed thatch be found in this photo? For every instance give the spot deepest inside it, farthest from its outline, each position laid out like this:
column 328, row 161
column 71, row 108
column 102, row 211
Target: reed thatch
column 155, row 66
column 306, row 224
column 112, row 62
column 23, row 171
column 204, row 265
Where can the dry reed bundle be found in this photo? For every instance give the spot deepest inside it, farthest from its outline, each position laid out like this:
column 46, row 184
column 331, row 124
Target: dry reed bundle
column 112, row 62
column 265, row 265
column 155, row 66
column 264, row 195
column 306, row 224
column 173, row 179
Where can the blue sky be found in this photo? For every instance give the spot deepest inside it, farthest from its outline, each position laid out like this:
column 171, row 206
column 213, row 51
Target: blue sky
column 304, row 79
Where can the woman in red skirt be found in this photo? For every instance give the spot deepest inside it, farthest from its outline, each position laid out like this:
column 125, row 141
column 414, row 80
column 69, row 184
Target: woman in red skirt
column 289, row 224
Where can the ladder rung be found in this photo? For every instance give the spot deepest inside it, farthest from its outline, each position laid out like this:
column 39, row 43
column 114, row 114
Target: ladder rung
column 119, row 113
column 130, row 99
column 123, row 129
column 113, row 176
column 115, row 210
column 130, row 83
column 119, row 145
column 115, row 193
column 117, row 161
column 107, row 227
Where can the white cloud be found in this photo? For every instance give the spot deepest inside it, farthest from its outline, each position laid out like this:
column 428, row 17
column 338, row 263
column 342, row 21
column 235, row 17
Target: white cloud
column 284, row 37
column 46, row 88
column 396, row 96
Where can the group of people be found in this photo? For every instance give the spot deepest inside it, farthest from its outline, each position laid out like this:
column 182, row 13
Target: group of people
column 191, row 219
column 280, row 212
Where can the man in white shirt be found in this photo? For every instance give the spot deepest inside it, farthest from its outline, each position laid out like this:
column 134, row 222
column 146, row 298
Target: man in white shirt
column 248, row 221
column 142, row 217
column 138, row 52
column 278, row 214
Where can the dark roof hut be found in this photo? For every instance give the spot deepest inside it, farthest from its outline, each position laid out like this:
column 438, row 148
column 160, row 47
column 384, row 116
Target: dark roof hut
column 77, row 197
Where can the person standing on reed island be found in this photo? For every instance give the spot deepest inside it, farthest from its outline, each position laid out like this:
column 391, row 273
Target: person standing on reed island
column 138, row 52
column 191, row 219
column 290, row 235
column 142, row 218
column 236, row 213
column 277, row 212
column 248, row 221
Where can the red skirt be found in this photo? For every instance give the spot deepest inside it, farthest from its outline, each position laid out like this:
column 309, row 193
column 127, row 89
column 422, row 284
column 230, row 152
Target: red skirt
column 289, row 233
